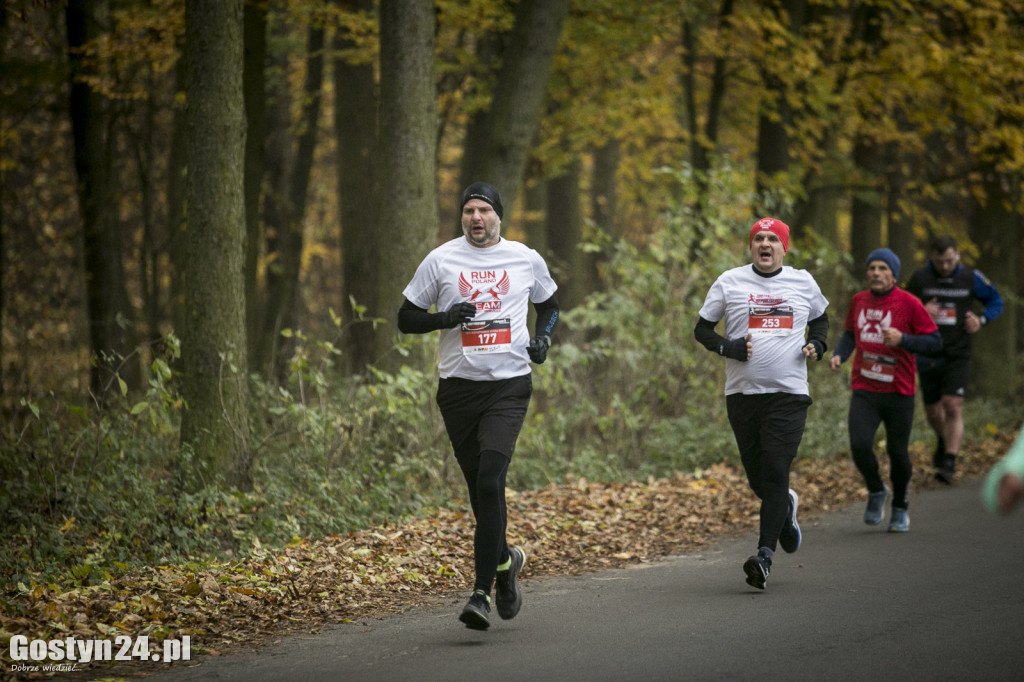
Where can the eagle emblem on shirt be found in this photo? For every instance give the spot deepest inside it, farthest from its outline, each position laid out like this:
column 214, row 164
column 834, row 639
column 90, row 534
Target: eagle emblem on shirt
column 871, row 323
column 484, row 289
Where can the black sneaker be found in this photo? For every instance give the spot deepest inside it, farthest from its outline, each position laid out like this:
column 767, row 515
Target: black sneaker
column 944, row 473
column 507, row 596
column 475, row 612
column 789, row 537
column 939, row 454
column 757, row 569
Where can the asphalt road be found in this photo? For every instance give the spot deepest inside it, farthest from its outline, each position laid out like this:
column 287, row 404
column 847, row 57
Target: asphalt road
column 942, row 602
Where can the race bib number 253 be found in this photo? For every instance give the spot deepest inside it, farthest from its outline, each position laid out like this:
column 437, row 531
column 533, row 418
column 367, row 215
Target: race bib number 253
column 770, row 321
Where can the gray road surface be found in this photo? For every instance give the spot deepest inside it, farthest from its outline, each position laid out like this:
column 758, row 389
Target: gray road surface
column 942, row 602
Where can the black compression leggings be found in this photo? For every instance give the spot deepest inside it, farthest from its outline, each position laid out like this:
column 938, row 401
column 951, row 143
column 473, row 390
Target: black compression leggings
column 867, row 410
column 485, row 481
column 768, row 429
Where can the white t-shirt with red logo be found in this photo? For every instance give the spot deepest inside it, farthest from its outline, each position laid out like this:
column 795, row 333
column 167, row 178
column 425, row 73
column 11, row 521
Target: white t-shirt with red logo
column 775, row 312
column 501, row 281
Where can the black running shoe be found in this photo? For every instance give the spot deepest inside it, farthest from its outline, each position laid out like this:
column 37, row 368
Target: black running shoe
column 944, row 473
column 475, row 612
column 507, row 596
column 939, row 454
column 757, row 569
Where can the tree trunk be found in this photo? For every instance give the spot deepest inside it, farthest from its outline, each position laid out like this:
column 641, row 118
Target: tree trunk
column 286, row 208
column 498, row 139
column 774, row 120
column 177, row 163
column 254, row 89
column 214, row 351
column 3, row 226
column 773, row 151
column 604, row 198
column 901, row 228
column 703, row 140
column 355, row 125
column 866, row 212
column 996, row 229
column 534, row 221
column 111, row 318
column 565, row 232
column 408, row 207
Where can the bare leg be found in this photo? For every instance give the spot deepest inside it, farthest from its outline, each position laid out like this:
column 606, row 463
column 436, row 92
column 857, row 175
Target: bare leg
column 936, row 418
column 953, row 422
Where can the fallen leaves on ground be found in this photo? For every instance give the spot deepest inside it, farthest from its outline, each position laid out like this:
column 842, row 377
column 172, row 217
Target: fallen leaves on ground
column 572, row 528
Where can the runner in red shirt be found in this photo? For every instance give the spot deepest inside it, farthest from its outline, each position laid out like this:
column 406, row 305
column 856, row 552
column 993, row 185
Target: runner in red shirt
column 884, row 328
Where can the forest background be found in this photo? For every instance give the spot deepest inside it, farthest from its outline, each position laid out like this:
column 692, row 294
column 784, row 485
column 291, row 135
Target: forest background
column 208, row 211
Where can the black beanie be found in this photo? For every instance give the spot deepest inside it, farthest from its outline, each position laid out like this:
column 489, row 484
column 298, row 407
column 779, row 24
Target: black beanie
column 484, row 192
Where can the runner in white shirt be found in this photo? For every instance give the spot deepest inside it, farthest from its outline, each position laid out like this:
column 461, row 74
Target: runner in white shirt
column 767, row 308
column 484, row 284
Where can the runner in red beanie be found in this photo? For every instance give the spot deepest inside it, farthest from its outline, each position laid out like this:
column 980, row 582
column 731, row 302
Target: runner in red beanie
column 779, row 228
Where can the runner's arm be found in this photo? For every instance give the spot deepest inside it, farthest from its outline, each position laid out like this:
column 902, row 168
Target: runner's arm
column 922, row 343
column 415, row 320
column 845, row 346
column 989, row 296
column 817, row 333
column 547, row 317
column 706, row 335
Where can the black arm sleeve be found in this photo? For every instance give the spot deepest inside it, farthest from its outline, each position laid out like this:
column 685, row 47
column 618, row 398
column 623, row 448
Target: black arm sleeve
column 817, row 333
column 706, row 335
column 922, row 343
column 547, row 317
column 416, row 320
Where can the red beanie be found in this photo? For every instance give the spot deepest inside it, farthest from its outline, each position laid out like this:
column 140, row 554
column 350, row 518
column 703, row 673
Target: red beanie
column 779, row 228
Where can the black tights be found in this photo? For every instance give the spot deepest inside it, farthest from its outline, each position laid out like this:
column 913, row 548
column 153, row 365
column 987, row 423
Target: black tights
column 867, row 410
column 485, row 480
column 768, row 429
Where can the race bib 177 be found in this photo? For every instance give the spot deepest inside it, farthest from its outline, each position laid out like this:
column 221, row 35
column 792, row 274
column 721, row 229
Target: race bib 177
column 487, row 336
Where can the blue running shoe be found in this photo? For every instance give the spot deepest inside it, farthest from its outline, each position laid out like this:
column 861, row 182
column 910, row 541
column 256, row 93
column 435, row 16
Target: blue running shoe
column 789, row 538
column 876, row 503
column 507, row 595
column 900, row 521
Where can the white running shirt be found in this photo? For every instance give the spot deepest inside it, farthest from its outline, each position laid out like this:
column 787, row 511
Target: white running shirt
column 774, row 311
column 500, row 281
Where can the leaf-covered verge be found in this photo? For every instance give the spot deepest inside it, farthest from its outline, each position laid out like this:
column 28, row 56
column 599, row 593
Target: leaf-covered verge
column 575, row 527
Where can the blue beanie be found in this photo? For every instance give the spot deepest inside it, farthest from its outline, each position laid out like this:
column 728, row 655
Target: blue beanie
column 887, row 257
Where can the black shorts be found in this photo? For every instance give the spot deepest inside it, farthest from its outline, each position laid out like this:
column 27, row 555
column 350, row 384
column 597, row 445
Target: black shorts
column 943, row 376
column 483, row 415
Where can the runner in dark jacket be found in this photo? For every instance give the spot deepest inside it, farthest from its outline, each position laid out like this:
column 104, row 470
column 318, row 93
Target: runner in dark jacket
column 949, row 291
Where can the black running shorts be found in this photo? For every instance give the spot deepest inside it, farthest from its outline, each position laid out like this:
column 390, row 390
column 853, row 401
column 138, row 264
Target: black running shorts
column 946, row 376
column 483, row 415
